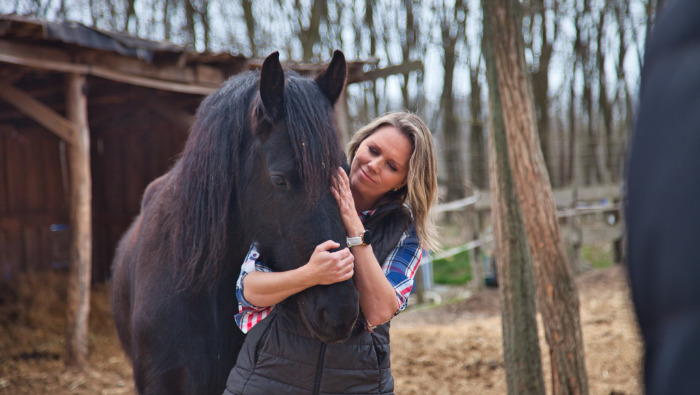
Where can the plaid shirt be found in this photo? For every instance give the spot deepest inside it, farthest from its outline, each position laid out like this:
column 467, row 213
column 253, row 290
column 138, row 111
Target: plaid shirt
column 399, row 268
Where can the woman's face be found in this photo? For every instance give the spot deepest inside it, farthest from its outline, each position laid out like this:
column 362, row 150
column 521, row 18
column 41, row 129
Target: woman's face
column 380, row 165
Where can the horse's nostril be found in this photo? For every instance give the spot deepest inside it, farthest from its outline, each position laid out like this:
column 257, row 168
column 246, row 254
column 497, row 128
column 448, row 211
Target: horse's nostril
column 329, row 318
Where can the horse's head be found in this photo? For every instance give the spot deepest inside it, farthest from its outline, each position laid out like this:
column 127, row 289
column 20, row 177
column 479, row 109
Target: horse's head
column 288, row 208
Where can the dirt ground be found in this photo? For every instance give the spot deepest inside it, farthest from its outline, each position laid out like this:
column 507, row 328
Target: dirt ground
column 451, row 349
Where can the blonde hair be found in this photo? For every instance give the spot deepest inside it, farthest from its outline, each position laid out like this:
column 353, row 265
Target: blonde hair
column 420, row 191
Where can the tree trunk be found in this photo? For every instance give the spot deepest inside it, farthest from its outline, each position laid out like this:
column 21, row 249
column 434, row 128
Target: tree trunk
column 540, row 81
column 408, row 45
column 451, row 129
column 477, row 154
column 521, row 351
column 622, row 89
column 369, row 23
column 572, row 152
column 166, row 20
column 130, row 15
column 190, row 25
column 605, row 107
column 311, row 35
column 557, row 295
column 81, row 226
column 583, row 36
column 204, row 15
column 250, row 26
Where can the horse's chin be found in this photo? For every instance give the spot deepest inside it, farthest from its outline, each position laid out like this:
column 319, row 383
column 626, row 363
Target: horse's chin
column 327, row 333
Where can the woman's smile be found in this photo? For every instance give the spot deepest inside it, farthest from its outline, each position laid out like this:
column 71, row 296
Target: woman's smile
column 366, row 176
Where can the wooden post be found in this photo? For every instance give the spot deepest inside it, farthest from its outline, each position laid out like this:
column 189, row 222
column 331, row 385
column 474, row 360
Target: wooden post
column 473, row 234
column 576, row 236
column 419, row 286
column 81, row 226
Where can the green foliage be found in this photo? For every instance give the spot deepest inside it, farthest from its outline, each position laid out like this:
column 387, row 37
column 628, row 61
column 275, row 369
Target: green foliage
column 600, row 256
column 455, row 270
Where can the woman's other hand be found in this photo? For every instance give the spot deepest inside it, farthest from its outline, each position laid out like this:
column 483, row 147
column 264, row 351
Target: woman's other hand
column 326, row 267
column 343, row 196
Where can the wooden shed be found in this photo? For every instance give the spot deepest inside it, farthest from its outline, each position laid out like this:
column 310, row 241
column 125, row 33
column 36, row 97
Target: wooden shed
column 128, row 101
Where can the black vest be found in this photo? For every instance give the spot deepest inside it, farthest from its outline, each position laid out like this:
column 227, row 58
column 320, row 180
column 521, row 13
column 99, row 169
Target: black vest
column 279, row 356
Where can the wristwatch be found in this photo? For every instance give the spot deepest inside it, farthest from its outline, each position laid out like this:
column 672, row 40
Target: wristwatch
column 363, row 240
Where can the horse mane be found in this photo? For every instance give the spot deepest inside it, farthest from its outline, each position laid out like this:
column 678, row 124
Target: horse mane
column 318, row 155
column 206, row 177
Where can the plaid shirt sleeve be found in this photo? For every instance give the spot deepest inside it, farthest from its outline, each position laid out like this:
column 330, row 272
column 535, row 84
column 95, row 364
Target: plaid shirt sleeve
column 401, row 265
column 249, row 314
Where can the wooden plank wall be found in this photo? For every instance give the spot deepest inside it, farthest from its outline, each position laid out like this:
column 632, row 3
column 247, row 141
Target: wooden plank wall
column 32, row 199
column 126, row 155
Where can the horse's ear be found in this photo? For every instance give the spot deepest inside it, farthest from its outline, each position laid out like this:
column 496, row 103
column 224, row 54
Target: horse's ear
column 272, row 87
column 332, row 79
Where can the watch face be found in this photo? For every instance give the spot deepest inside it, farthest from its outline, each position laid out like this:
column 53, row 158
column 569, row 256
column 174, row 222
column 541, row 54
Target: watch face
column 367, row 237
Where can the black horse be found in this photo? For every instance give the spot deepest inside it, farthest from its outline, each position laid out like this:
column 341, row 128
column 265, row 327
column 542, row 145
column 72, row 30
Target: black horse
column 258, row 165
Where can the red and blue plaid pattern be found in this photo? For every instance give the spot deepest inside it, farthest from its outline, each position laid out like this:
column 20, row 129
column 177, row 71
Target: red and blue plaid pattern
column 399, row 267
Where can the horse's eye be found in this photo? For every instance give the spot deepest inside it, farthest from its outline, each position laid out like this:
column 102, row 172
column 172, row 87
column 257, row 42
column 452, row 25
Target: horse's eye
column 279, row 181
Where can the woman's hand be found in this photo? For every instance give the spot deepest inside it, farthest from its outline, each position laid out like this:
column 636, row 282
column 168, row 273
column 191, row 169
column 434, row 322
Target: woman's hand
column 325, row 267
column 343, row 196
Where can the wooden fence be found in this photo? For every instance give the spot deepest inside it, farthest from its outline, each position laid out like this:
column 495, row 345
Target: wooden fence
column 587, row 215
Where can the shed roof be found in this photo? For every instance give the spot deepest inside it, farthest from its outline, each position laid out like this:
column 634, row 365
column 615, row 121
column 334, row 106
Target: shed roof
column 76, row 33
column 74, row 47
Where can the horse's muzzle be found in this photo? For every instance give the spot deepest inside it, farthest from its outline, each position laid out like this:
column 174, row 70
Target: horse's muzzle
column 331, row 312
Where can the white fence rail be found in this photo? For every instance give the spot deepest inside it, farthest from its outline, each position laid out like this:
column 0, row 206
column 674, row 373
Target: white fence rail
column 570, row 202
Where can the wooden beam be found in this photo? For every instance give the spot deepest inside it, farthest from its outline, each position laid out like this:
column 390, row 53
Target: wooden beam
column 152, row 83
column 44, row 115
column 81, row 225
column 386, row 71
column 123, row 70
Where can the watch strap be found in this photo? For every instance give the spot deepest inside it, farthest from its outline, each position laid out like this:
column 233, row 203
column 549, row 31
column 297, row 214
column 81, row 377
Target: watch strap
column 354, row 241
column 362, row 240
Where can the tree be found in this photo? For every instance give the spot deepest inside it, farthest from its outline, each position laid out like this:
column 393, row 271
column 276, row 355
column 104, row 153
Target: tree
column 408, row 46
column 452, row 28
column 478, row 173
column 542, row 57
column 604, row 104
column 556, row 291
column 310, row 36
column 247, row 6
column 521, row 350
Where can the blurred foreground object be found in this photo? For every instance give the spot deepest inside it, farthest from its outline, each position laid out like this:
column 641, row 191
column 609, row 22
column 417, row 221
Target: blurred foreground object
column 663, row 203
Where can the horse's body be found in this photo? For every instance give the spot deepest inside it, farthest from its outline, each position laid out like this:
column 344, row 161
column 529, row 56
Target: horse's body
column 256, row 167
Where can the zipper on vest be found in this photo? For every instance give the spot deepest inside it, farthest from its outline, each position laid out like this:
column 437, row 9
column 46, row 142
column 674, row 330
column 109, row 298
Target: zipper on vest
column 319, row 369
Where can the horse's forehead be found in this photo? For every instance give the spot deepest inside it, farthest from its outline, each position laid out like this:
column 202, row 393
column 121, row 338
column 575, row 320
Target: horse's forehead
column 306, row 141
column 278, row 149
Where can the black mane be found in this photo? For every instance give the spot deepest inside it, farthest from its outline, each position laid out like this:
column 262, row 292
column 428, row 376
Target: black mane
column 307, row 110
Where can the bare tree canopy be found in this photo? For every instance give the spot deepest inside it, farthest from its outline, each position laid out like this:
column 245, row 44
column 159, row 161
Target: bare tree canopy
column 584, row 58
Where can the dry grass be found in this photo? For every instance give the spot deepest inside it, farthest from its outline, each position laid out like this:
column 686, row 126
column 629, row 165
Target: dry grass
column 453, row 349
column 457, row 349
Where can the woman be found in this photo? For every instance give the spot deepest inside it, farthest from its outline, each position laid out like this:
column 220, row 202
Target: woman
column 386, row 197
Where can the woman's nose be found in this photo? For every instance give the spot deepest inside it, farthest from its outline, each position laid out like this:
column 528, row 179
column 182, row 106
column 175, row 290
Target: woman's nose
column 373, row 164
